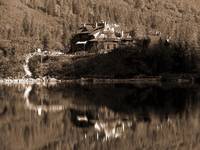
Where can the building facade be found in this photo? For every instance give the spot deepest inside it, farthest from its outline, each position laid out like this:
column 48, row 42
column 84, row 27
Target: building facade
column 100, row 37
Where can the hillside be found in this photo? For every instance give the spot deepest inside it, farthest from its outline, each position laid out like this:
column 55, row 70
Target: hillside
column 118, row 64
column 29, row 21
column 29, row 24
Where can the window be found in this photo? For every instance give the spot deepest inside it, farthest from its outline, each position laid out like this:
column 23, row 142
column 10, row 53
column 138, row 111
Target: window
column 108, row 46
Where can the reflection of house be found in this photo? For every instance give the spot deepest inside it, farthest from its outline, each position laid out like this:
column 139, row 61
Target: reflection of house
column 101, row 37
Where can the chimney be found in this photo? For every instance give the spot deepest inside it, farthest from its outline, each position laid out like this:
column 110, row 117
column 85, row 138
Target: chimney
column 122, row 34
column 96, row 25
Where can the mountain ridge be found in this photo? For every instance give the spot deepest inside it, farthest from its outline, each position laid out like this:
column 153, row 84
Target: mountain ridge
column 136, row 14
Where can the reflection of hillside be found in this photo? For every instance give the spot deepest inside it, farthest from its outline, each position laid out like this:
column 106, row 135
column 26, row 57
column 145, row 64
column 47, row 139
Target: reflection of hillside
column 129, row 98
column 153, row 122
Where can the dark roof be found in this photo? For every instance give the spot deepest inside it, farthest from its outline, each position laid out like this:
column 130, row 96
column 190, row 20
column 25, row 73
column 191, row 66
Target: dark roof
column 127, row 39
column 85, row 32
column 105, row 40
column 86, row 29
column 96, row 30
column 89, row 28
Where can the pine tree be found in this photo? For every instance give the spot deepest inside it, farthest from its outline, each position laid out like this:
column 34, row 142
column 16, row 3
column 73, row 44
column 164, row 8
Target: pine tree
column 32, row 28
column 76, row 7
column 65, row 37
column 26, row 25
column 45, row 41
column 51, row 7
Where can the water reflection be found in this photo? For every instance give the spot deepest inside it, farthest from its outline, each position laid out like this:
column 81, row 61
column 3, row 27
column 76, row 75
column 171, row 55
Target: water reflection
column 110, row 129
column 77, row 116
column 39, row 108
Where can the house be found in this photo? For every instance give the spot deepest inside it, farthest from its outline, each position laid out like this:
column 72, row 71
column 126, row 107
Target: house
column 99, row 37
column 103, row 37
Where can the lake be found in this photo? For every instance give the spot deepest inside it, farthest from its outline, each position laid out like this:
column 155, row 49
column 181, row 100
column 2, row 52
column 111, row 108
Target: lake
column 101, row 116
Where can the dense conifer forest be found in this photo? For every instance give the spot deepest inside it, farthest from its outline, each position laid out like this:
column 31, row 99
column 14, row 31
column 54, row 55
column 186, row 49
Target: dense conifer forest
column 49, row 24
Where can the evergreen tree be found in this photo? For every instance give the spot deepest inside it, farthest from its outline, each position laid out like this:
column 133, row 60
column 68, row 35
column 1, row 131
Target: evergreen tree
column 45, row 41
column 51, row 7
column 26, row 25
column 65, row 37
column 76, row 7
column 32, row 28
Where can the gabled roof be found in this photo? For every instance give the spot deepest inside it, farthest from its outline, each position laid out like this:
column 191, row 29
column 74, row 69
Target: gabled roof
column 105, row 40
column 96, row 30
column 86, row 28
column 105, row 31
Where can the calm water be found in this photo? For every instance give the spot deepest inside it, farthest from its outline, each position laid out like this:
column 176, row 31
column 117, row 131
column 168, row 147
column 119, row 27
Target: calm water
column 99, row 117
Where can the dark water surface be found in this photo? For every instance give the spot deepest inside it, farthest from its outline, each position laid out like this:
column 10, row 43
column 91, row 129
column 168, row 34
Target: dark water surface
column 99, row 117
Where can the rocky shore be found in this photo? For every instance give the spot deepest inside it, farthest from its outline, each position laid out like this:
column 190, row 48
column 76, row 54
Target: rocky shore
column 29, row 81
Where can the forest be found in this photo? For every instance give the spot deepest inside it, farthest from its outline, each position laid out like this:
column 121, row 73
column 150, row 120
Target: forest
column 49, row 24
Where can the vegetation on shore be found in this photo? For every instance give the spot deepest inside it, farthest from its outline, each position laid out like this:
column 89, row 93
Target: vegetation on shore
column 120, row 63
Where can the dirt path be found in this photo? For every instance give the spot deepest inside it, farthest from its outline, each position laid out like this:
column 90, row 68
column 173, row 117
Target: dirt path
column 27, row 70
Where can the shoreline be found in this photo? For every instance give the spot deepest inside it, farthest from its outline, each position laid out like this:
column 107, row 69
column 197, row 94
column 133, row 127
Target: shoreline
column 29, row 81
column 136, row 80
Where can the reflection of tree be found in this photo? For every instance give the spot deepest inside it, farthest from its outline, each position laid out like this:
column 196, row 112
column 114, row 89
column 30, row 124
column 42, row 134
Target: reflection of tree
column 40, row 108
column 51, row 131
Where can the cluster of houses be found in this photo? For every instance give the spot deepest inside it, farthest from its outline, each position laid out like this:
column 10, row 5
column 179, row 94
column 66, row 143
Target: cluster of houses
column 103, row 37
column 100, row 37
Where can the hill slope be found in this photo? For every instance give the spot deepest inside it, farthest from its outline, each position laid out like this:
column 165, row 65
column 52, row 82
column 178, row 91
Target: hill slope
column 33, row 19
column 27, row 24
